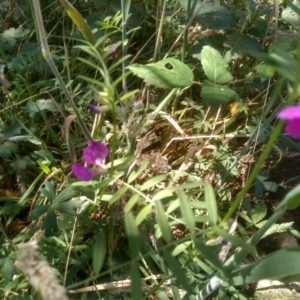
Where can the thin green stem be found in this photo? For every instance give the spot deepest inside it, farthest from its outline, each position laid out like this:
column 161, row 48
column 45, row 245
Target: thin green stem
column 159, row 31
column 47, row 55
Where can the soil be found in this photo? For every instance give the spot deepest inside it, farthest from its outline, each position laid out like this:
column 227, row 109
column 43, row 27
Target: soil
column 285, row 172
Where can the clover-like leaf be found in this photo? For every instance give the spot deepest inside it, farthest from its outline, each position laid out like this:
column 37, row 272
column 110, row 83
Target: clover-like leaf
column 216, row 95
column 214, row 65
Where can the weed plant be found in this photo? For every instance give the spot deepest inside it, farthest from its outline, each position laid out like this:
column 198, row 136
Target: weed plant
column 133, row 138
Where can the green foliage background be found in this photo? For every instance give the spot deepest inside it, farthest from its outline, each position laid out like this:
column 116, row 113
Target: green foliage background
column 188, row 90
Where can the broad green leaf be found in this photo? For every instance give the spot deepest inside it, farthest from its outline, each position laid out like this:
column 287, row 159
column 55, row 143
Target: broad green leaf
column 209, row 254
column 278, row 265
column 162, row 221
column 210, row 200
column 258, row 212
column 152, row 181
column 99, row 251
column 261, row 185
column 211, row 15
column 7, row 149
column 167, row 73
column 136, row 288
column 186, row 211
column 132, row 234
column 214, row 65
column 34, row 108
column 117, row 195
column 142, row 215
column 79, row 21
column 291, row 13
column 131, row 202
column 216, row 95
column 7, row 270
column 264, row 71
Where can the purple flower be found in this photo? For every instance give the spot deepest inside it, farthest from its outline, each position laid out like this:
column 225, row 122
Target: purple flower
column 292, row 115
column 94, row 108
column 83, row 173
column 94, row 154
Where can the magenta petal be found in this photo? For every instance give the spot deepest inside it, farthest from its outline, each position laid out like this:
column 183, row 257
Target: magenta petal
column 94, row 108
column 83, row 173
column 95, row 153
column 293, row 128
column 290, row 113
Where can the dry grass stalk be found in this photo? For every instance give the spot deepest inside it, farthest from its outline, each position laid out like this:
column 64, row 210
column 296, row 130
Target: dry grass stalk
column 41, row 275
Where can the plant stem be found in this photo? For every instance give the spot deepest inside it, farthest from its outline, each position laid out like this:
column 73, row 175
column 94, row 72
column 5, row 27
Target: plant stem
column 47, row 55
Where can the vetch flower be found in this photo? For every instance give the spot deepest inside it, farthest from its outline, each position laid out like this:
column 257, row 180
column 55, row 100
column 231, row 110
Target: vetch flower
column 98, row 109
column 292, row 115
column 94, row 154
column 94, row 108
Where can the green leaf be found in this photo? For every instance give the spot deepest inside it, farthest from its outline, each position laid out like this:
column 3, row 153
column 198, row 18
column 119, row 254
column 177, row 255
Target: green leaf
column 291, row 13
column 186, row 211
column 21, row 163
column 69, row 207
column 131, row 202
column 132, row 234
column 34, row 108
column 177, row 270
column 210, row 200
column 38, row 211
column 264, row 71
column 162, row 221
column 261, row 185
column 136, row 287
column 291, row 200
column 7, row 149
column 162, row 194
column 66, row 194
column 136, row 173
column 7, row 270
column 152, row 181
column 258, row 212
column 214, row 65
column 216, row 95
column 99, row 251
column 79, row 21
column 282, row 62
column 142, row 215
column 209, row 254
column 181, row 248
column 117, row 195
column 50, row 224
column 278, row 265
column 167, row 73
column 48, row 191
